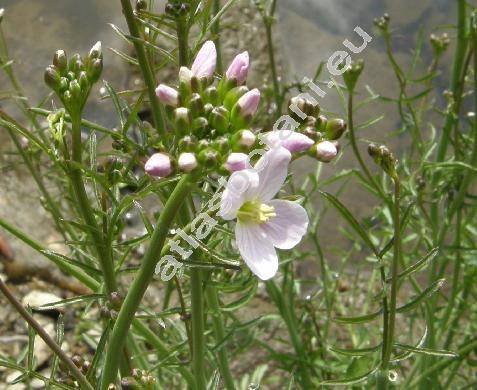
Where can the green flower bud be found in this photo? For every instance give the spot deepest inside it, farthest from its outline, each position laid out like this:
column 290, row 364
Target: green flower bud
column 208, row 158
column 307, row 107
column 351, row 75
column 76, row 64
column 200, row 126
column 95, row 69
column 182, row 120
column 52, row 77
column 75, row 90
column 208, row 108
column 221, row 144
column 83, row 81
column 2, row 12
column 96, row 51
column 219, row 119
column 202, row 144
column 64, row 82
column 67, row 98
column 335, row 129
column 243, row 140
column 141, row 5
column 310, row 132
column 383, row 157
column 321, row 123
column 187, row 143
column 196, row 105
column 60, row 61
column 232, row 97
column 211, row 95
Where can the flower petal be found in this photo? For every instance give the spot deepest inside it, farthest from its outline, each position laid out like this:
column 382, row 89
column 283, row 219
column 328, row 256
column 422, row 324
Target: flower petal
column 289, row 226
column 291, row 140
column 272, row 170
column 240, row 187
column 256, row 250
column 205, row 61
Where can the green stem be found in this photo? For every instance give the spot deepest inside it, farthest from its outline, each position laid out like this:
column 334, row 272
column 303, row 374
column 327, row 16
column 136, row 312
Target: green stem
column 145, row 66
column 216, row 33
column 182, row 39
column 46, row 338
column 104, row 254
column 268, row 19
column 197, row 323
column 289, row 317
column 219, row 331
column 388, row 346
column 142, row 280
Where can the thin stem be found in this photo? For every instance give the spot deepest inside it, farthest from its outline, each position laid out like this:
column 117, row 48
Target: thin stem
column 216, row 33
column 142, row 280
column 394, row 271
column 182, row 39
column 45, row 337
column 219, row 331
column 104, row 254
column 197, row 322
column 145, row 66
column 268, row 18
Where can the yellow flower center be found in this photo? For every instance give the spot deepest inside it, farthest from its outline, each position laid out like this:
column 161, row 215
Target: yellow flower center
column 255, row 211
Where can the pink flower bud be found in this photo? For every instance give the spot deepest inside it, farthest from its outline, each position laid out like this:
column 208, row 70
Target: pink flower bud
column 326, row 151
column 187, row 162
column 236, row 162
column 167, row 95
column 247, row 138
column 238, row 69
column 293, row 141
column 185, row 74
column 205, row 61
column 248, row 103
column 158, row 165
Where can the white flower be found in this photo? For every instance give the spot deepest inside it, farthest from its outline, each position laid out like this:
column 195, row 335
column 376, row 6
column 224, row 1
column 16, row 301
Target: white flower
column 263, row 223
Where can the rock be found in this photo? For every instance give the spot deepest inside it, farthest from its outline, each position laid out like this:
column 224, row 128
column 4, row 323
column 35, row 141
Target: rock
column 10, row 378
column 41, row 351
column 37, row 298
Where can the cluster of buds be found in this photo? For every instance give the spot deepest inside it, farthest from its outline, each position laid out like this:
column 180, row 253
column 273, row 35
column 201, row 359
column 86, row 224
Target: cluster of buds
column 384, row 158
column 316, row 135
column 140, row 380
column 72, row 80
column 82, row 364
column 439, row 43
column 211, row 122
column 382, row 23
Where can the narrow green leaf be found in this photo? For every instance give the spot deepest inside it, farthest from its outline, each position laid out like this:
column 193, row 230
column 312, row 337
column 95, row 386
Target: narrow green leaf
column 422, row 263
column 71, row 301
column 427, row 351
column 350, row 381
column 357, row 319
column 422, row 296
column 355, row 351
column 351, row 220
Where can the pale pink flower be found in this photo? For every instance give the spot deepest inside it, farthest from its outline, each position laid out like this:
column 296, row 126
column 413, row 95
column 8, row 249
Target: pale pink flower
column 248, row 103
column 187, row 162
column 158, row 165
column 263, row 223
column 205, row 61
column 236, row 162
column 167, row 95
column 293, row 141
column 326, row 151
column 238, row 69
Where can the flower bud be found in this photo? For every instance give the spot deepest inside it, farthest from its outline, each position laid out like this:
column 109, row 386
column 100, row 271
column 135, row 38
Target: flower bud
column 60, row 61
column 384, row 158
column 221, row 144
column 52, row 77
column 298, row 103
column 187, row 143
column 196, row 105
column 335, row 129
column 141, row 5
column 293, row 141
column 321, row 123
column 2, row 12
column 83, row 81
column 245, row 108
column 182, row 120
column 244, row 139
column 325, row 151
column 205, row 61
column 167, row 95
column 96, row 51
column 211, row 95
column 208, row 157
column 232, row 97
column 75, row 64
column 95, row 70
column 187, row 162
column 75, row 90
column 158, row 165
column 351, row 75
column 236, row 162
column 199, row 126
column 238, row 69
column 219, row 119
